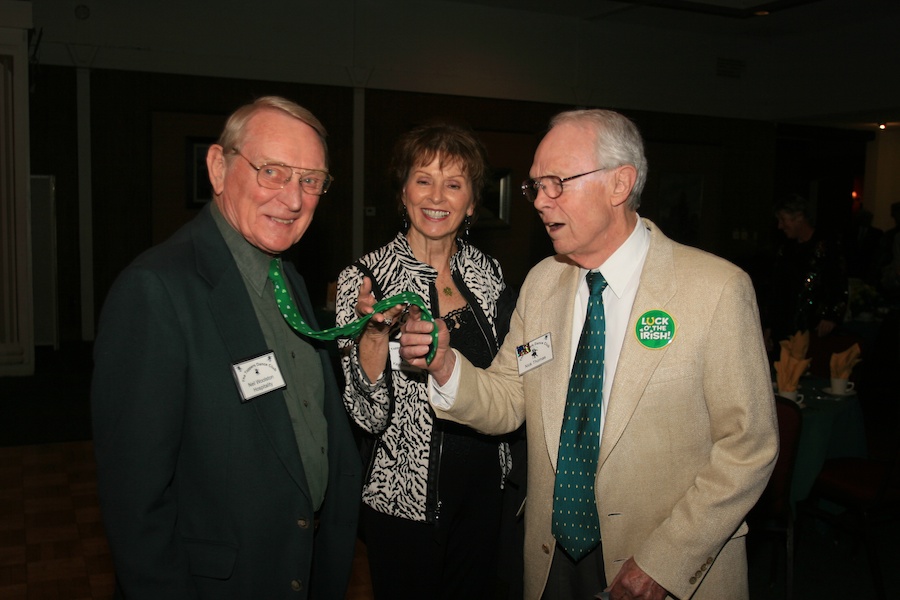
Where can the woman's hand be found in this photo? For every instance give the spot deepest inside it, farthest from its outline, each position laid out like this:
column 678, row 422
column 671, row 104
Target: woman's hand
column 381, row 324
column 373, row 341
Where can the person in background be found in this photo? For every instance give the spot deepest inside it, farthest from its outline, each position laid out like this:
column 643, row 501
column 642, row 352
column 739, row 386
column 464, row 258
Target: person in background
column 432, row 494
column 644, row 462
column 808, row 290
column 226, row 465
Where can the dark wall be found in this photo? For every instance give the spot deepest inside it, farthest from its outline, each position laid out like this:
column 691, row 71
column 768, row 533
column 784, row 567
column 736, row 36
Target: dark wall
column 54, row 151
column 712, row 181
column 123, row 106
column 826, row 164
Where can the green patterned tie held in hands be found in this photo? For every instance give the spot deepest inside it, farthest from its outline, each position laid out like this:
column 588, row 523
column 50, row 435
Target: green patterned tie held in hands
column 289, row 311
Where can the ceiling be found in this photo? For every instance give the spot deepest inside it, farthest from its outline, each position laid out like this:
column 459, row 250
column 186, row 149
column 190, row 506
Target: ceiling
column 762, row 19
column 777, row 17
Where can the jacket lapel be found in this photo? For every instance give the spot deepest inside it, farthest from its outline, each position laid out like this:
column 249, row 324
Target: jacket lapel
column 636, row 362
column 239, row 328
column 556, row 316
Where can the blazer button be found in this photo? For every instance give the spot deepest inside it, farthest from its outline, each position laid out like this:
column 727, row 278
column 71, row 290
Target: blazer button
column 296, row 585
column 545, row 548
column 693, row 580
column 709, row 560
column 303, row 523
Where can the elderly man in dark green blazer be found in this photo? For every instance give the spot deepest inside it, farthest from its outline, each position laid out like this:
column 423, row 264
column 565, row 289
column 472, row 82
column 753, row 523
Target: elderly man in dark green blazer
column 226, row 465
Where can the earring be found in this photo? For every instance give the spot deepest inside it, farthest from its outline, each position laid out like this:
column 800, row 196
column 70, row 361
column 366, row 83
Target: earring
column 405, row 222
column 466, row 223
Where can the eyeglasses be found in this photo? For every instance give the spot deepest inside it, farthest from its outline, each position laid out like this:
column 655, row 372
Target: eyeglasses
column 276, row 176
column 551, row 184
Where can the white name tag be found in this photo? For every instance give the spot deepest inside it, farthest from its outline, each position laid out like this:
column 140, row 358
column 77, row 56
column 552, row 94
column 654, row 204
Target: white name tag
column 394, row 351
column 535, row 353
column 258, row 376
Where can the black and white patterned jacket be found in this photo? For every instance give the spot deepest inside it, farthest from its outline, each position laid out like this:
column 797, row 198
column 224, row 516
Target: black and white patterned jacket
column 404, row 465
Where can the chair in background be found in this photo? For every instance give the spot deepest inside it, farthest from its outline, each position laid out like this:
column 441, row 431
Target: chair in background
column 773, row 514
column 865, row 492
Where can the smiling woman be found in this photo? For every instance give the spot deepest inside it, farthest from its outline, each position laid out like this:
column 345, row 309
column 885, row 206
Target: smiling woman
column 428, row 481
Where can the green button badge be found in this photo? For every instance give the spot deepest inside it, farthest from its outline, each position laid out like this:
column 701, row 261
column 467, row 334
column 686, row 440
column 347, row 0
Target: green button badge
column 655, row 329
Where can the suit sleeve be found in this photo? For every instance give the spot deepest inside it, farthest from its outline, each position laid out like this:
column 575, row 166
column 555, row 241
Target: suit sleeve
column 744, row 443
column 492, row 401
column 138, row 397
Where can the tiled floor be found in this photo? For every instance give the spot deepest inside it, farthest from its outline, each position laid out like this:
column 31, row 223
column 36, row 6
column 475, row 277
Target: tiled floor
column 52, row 544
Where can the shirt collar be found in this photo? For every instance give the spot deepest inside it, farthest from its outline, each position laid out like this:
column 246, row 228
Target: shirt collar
column 252, row 262
column 619, row 268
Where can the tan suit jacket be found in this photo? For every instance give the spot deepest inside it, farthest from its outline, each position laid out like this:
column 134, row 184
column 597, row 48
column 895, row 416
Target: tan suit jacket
column 690, row 435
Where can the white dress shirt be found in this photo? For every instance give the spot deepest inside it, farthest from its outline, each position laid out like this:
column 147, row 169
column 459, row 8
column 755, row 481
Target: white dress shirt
column 622, row 272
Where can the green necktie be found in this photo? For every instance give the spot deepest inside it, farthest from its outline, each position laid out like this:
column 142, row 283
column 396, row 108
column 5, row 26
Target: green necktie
column 289, row 311
column 575, row 522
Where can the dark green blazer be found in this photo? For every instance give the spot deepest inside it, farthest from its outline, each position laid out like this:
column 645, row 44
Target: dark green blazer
column 204, row 496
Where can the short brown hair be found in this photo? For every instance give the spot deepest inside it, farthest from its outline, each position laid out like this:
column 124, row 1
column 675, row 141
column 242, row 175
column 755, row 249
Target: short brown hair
column 451, row 143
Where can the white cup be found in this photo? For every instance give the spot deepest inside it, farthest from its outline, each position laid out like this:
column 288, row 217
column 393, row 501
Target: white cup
column 841, row 386
column 792, row 396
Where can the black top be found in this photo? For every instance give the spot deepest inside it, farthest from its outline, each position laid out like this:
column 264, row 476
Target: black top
column 809, row 284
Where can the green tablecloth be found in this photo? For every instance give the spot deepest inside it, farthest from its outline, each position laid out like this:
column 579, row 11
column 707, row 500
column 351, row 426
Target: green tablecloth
column 832, row 427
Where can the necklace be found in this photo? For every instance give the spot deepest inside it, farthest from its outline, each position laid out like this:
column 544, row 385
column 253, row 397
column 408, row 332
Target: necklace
column 448, row 291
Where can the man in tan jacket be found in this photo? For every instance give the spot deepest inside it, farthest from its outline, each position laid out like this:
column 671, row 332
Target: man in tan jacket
column 689, row 433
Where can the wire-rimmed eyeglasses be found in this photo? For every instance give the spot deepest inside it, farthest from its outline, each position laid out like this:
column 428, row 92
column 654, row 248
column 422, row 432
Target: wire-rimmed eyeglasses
column 551, row 184
column 274, row 176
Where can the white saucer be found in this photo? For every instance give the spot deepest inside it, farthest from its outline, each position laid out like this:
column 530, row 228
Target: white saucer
column 828, row 391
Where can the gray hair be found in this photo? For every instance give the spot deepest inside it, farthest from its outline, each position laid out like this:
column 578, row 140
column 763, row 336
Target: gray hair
column 617, row 142
column 232, row 135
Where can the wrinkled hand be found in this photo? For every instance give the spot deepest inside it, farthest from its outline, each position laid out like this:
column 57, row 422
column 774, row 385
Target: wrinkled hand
column 631, row 583
column 415, row 341
column 380, row 324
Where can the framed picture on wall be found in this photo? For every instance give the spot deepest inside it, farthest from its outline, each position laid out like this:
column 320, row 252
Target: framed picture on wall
column 494, row 210
column 199, row 190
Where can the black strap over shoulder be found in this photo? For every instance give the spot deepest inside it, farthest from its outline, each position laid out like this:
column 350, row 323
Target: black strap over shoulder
column 376, row 287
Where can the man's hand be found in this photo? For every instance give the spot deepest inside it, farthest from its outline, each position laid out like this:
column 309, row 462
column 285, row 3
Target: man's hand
column 631, row 583
column 415, row 341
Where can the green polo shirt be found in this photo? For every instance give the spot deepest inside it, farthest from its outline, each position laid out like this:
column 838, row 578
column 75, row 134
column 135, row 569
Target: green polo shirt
column 298, row 360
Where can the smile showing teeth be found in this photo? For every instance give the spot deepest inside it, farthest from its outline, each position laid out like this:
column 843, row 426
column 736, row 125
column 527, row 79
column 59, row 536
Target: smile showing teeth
column 435, row 214
column 283, row 221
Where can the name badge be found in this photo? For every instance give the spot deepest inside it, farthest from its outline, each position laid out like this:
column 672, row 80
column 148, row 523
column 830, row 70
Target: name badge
column 535, row 353
column 394, row 352
column 258, row 376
